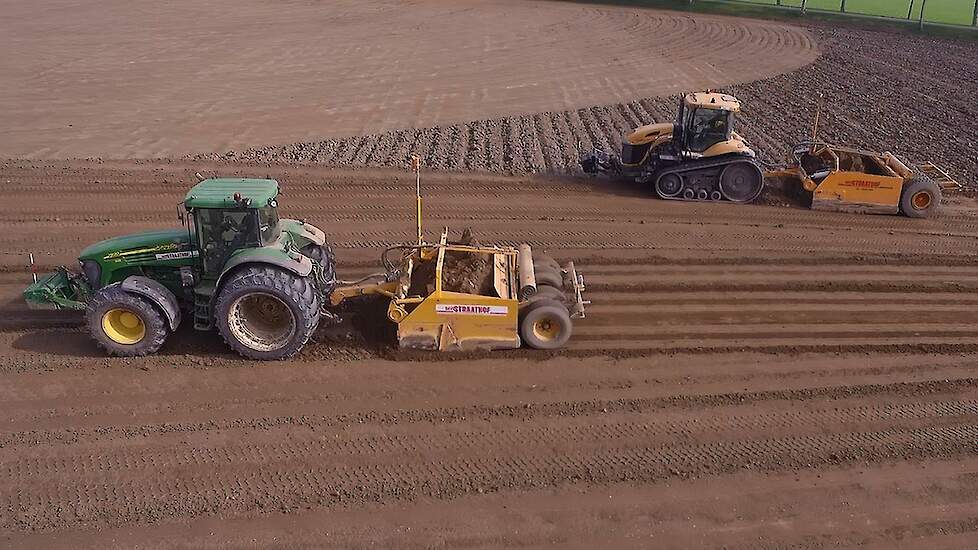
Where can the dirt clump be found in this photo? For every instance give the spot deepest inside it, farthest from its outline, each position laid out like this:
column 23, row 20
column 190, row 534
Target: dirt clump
column 465, row 272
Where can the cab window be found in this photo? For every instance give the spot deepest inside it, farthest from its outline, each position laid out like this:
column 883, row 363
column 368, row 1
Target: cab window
column 268, row 225
column 221, row 232
column 707, row 128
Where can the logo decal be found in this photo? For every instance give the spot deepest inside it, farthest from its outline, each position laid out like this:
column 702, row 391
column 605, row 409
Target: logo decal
column 177, row 255
column 471, row 309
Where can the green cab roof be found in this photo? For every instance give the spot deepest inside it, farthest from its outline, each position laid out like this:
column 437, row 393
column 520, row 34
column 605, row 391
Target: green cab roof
column 219, row 193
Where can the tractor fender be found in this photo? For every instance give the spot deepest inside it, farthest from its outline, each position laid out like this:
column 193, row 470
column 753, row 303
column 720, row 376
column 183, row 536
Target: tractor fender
column 299, row 264
column 304, row 233
column 156, row 293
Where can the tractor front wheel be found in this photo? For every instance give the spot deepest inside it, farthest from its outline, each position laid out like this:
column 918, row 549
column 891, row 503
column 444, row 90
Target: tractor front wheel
column 125, row 324
column 266, row 313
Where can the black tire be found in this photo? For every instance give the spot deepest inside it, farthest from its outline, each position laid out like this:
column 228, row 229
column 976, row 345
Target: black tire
column 546, row 261
column 108, row 319
column 545, row 275
column 545, row 324
column 921, row 197
column 551, row 293
column 267, row 299
column 323, row 255
column 669, row 186
column 741, row 181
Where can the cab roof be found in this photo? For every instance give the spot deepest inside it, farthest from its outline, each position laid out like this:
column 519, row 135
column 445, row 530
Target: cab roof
column 220, row 193
column 713, row 100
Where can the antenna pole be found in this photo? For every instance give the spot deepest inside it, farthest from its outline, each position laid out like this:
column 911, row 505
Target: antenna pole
column 416, row 166
column 33, row 268
column 818, row 112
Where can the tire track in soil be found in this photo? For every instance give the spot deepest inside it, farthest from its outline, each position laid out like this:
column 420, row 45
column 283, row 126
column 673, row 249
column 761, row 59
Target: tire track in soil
column 537, row 412
column 293, row 483
column 32, row 466
column 302, row 470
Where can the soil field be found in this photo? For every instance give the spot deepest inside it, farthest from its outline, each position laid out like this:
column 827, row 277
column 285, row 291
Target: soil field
column 747, row 377
column 139, row 78
column 881, row 90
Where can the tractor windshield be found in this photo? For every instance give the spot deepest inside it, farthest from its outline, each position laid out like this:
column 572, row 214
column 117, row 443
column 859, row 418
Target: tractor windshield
column 221, row 232
column 708, row 127
column 268, row 224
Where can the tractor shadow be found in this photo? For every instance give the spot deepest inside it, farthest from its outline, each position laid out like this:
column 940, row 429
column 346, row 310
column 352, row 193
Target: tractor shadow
column 72, row 340
column 607, row 185
column 777, row 191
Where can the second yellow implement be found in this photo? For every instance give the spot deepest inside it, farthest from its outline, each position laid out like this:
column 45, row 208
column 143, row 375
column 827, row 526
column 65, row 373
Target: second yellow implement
column 851, row 180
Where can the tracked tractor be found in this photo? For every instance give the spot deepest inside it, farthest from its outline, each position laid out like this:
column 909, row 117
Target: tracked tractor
column 699, row 157
column 265, row 284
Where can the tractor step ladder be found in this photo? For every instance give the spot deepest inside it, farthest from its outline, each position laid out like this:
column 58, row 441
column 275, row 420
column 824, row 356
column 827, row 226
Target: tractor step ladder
column 203, row 320
column 940, row 176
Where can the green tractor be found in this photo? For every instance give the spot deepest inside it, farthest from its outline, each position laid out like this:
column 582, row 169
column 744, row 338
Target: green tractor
column 263, row 282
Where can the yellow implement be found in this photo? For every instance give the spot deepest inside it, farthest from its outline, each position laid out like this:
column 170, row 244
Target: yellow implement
column 500, row 297
column 518, row 309
column 851, row 180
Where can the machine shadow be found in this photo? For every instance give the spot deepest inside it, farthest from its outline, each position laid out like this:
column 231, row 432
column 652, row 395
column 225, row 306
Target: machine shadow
column 75, row 342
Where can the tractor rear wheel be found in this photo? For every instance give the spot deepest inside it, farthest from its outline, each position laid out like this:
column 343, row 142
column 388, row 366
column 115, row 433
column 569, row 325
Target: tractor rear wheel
column 324, row 256
column 921, row 197
column 545, row 324
column 266, row 313
column 125, row 324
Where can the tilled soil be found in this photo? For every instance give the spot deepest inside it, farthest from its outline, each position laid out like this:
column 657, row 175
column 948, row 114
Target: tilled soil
column 885, row 91
column 747, row 376
column 139, row 78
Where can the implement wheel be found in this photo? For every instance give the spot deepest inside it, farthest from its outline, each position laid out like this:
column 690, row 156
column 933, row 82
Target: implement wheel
column 125, row 324
column 921, row 198
column 553, row 293
column 545, row 324
column 741, row 181
column 545, row 261
column 267, row 313
column 545, row 275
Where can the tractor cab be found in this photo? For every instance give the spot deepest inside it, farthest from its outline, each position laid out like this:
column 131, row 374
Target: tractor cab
column 230, row 214
column 705, row 120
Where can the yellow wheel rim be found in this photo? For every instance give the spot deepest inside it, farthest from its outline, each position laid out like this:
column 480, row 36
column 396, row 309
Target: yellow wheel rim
column 921, row 200
column 123, row 326
column 546, row 329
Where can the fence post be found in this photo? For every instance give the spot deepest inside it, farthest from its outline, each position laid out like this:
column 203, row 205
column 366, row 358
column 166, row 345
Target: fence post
column 974, row 18
column 842, row 7
column 910, row 10
column 804, row 6
column 923, row 4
